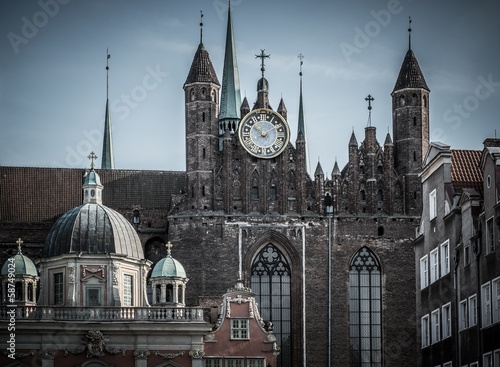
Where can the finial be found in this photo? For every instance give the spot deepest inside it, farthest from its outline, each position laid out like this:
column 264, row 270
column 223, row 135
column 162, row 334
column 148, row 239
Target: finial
column 201, row 26
column 19, row 243
column 107, row 72
column 169, row 248
column 301, row 57
column 92, row 156
column 262, row 56
column 409, row 33
column 369, row 99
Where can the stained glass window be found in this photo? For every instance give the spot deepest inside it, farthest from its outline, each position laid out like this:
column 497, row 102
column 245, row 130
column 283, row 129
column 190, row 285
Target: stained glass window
column 271, row 280
column 365, row 304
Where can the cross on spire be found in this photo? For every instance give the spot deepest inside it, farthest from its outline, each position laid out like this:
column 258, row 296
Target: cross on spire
column 169, row 248
column 92, row 156
column 107, row 71
column 369, row 99
column 201, row 26
column 301, row 57
column 262, row 56
column 19, row 243
column 409, row 33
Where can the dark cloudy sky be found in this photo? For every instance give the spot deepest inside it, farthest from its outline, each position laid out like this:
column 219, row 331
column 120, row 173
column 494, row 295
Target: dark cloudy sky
column 53, row 78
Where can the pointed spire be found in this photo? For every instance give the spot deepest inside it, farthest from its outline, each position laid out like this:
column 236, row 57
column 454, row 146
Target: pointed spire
column 388, row 139
column 410, row 75
column 301, row 128
column 353, row 141
column 202, row 69
column 230, row 91
column 319, row 170
column 245, row 107
column 336, row 170
column 108, row 158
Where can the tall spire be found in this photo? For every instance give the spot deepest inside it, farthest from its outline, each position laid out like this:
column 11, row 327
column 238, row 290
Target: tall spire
column 230, row 101
column 301, row 128
column 108, row 159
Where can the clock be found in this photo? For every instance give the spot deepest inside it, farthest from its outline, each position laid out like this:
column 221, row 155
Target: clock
column 264, row 133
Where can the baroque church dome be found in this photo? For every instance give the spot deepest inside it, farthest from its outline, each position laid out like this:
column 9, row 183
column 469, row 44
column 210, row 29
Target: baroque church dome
column 168, row 267
column 23, row 265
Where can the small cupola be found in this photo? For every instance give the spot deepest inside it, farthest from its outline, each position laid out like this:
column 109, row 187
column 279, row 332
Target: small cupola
column 19, row 279
column 92, row 187
column 168, row 281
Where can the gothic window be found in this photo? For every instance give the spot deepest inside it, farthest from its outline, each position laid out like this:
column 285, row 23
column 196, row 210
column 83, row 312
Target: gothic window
column 192, row 94
column 273, row 193
column 365, row 304
column 425, row 101
column 362, row 195
column 254, row 194
column 203, row 92
column 271, row 281
column 402, row 101
column 414, row 121
column 203, row 116
column 380, row 195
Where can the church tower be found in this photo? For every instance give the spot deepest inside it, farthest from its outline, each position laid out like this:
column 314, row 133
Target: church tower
column 410, row 122
column 201, row 91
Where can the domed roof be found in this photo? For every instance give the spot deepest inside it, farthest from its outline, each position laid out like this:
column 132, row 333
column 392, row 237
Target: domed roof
column 168, row 267
column 92, row 178
column 93, row 229
column 23, row 265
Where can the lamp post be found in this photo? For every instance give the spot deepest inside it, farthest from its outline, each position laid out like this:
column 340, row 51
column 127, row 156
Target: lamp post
column 329, row 212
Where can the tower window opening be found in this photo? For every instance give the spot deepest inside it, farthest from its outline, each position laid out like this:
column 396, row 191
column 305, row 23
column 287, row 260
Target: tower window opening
column 203, row 117
column 254, row 193
column 203, row 190
column 414, row 121
column 425, row 101
column 414, row 156
column 204, row 153
column 402, row 101
column 192, row 191
column 273, row 193
column 362, row 195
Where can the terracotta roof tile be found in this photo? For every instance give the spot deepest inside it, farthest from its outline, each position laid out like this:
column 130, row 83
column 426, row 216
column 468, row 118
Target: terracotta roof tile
column 465, row 170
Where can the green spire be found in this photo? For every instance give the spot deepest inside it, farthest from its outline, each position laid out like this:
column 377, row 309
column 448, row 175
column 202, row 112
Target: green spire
column 230, row 94
column 108, row 159
column 301, row 128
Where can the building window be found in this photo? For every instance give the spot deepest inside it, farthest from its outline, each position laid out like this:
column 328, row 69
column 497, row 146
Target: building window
column 424, row 331
column 128, row 294
column 486, row 305
column 380, row 195
column 446, row 321
column 432, row 205
column 254, row 193
column 445, row 258
column 235, row 362
column 212, row 362
column 472, row 310
column 365, row 304
column 496, row 358
column 256, row 362
column 239, row 329
column 487, row 360
column 271, row 281
column 434, row 265
column 424, row 266
column 490, row 236
column 466, row 254
column 362, row 195
column 495, row 285
column 435, row 334
column 463, row 315
column 58, row 289
column 93, row 297
column 273, row 193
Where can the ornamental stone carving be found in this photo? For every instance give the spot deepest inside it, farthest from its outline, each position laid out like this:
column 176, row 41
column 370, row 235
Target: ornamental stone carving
column 47, row 353
column 71, row 273
column 141, row 354
column 196, row 353
column 168, row 355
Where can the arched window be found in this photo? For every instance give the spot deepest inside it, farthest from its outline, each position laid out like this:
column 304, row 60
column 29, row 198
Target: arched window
column 271, row 280
column 380, row 195
column 254, row 193
column 273, row 193
column 365, row 304
column 402, row 101
column 170, row 293
column 19, row 291
column 30, row 293
column 362, row 195
column 425, row 101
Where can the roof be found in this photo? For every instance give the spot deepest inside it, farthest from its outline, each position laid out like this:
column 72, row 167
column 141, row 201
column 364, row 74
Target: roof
column 92, row 229
column 23, row 265
column 202, row 69
column 168, row 267
column 465, row 170
column 32, row 194
column 410, row 75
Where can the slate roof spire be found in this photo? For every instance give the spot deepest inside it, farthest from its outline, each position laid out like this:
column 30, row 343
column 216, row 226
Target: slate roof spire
column 410, row 75
column 108, row 158
column 301, row 128
column 230, row 91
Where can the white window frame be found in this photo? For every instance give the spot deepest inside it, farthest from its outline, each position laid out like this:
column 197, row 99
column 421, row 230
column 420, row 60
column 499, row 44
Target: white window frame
column 446, row 321
column 488, row 359
column 486, row 304
column 424, row 272
column 472, row 310
column 432, row 205
column 434, row 265
column 474, row 364
column 495, row 299
column 463, row 315
column 490, row 236
column 435, row 326
column 240, row 329
column 424, row 331
column 445, row 257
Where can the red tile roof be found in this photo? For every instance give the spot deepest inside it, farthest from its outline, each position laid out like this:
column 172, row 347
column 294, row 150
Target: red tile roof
column 465, row 170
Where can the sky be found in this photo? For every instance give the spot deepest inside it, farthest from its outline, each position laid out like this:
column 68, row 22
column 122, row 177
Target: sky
column 53, row 72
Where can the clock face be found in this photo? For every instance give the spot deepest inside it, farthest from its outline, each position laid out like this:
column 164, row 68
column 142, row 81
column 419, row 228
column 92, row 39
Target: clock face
column 264, row 133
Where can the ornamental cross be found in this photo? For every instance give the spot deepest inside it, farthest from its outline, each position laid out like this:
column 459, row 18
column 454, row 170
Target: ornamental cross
column 169, row 247
column 19, row 243
column 369, row 99
column 262, row 56
column 92, row 156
